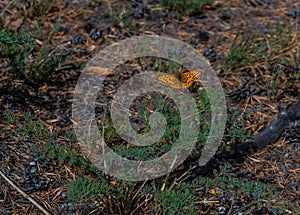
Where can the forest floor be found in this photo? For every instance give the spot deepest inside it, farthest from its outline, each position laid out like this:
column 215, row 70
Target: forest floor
column 254, row 47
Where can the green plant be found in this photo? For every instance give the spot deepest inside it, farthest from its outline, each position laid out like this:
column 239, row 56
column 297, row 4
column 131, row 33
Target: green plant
column 84, row 190
column 167, row 107
column 19, row 49
column 65, row 155
column 128, row 199
column 244, row 52
column 184, row 7
column 253, row 50
column 37, row 129
column 137, row 153
column 122, row 19
column 107, row 127
column 11, row 118
column 28, row 117
column 37, row 8
column 122, row 199
column 248, row 189
column 142, row 112
column 203, row 105
column 45, row 61
column 275, row 82
column 177, row 201
column 234, row 132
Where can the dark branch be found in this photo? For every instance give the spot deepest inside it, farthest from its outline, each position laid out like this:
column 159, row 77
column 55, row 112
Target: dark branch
column 237, row 153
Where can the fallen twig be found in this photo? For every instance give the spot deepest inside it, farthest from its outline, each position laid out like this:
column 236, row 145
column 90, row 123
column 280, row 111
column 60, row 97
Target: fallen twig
column 6, row 178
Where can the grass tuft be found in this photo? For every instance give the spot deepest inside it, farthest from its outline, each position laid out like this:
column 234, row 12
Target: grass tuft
column 253, row 50
column 32, row 67
column 184, row 7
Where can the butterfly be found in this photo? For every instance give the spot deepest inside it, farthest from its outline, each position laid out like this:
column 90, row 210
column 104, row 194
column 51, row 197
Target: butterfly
column 179, row 81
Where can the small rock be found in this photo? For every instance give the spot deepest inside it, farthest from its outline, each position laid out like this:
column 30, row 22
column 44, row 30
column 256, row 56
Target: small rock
column 222, row 210
column 79, row 39
column 294, row 13
column 202, row 35
column 95, row 33
column 33, row 170
column 32, row 163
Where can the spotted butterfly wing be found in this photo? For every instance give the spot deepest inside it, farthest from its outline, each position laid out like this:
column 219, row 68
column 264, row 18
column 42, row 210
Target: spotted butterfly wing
column 170, row 79
column 188, row 78
column 178, row 81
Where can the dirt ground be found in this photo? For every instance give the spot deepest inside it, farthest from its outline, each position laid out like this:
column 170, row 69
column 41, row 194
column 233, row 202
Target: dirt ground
column 257, row 92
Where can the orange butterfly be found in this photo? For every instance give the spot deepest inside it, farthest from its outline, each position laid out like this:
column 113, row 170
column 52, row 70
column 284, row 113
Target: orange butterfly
column 179, row 81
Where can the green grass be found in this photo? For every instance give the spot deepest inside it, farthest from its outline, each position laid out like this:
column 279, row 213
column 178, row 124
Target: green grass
column 37, row 129
column 126, row 197
column 83, row 190
column 254, row 50
column 122, row 19
column 64, row 155
column 11, row 118
column 244, row 52
column 39, row 132
column 106, row 123
column 247, row 51
column 27, row 64
column 272, row 57
column 180, row 200
column 143, row 114
column 184, row 7
column 234, row 131
column 161, row 104
column 16, row 48
column 37, row 8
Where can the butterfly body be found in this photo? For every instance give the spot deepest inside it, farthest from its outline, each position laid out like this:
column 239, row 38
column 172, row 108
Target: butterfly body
column 180, row 81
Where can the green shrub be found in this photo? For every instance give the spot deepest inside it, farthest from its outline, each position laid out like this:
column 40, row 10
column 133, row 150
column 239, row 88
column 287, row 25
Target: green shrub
column 177, row 201
column 84, row 189
column 20, row 51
